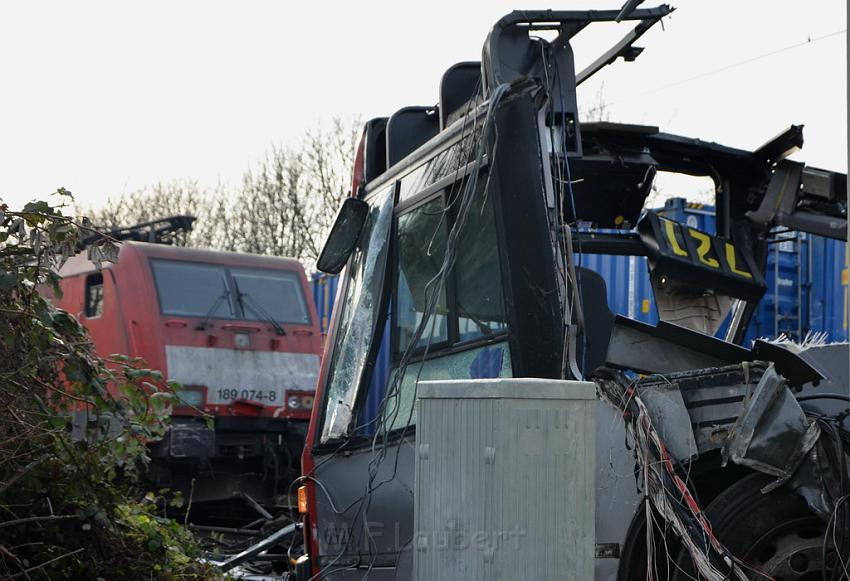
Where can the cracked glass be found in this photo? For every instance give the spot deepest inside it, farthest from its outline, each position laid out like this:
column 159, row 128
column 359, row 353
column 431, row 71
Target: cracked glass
column 361, row 305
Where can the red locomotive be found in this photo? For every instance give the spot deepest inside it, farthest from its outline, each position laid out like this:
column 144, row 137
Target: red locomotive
column 240, row 334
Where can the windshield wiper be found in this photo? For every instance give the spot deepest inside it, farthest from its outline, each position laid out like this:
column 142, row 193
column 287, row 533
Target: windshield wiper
column 258, row 308
column 206, row 322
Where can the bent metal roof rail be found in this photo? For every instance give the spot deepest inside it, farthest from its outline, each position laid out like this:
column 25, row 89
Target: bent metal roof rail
column 569, row 23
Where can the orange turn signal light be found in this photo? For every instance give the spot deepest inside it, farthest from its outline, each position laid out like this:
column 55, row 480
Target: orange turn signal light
column 302, row 499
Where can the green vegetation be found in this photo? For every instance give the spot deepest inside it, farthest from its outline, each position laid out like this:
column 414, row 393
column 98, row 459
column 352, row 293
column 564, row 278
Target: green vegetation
column 71, row 506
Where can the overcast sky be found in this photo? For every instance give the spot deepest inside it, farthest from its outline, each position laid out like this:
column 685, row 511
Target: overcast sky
column 106, row 97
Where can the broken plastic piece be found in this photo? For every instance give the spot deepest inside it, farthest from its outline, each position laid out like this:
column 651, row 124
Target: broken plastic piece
column 772, row 434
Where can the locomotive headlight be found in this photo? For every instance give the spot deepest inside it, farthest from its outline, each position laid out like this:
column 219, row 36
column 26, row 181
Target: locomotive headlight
column 298, row 401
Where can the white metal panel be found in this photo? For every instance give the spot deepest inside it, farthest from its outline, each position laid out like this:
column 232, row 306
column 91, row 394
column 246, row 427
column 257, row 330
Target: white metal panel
column 231, row 370
column 505, row 479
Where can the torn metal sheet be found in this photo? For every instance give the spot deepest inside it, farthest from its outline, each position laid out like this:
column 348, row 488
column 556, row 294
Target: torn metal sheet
column 831, row 361
column 667, row 348
column 817, row 481
column 670, row 417
column 712, row 399
column 772, row 435
column 805, row 199
column 786, row 358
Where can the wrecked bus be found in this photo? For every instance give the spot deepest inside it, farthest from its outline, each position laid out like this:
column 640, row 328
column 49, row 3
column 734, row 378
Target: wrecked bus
column 715, row 459
column 239, row 334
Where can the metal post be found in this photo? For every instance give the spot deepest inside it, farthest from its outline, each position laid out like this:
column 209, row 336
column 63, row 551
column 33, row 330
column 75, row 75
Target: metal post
column 776, row 290
column 258, row 548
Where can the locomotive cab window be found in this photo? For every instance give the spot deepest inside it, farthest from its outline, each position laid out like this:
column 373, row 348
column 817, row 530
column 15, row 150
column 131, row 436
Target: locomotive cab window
column 192, row 289
column 196, row 289
column 265, row 293
column 94, row 295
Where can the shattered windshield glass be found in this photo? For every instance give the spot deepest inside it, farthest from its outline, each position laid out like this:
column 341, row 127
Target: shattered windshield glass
column 357, row 327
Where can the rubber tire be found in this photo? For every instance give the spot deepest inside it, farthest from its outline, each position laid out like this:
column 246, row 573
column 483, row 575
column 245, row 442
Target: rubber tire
column 741, row 515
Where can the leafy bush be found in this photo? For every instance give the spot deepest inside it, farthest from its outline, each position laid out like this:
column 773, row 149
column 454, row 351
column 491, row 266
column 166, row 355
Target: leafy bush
column 70, row 503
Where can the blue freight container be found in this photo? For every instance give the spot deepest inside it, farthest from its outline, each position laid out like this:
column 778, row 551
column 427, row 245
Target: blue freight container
column 826, row 298
column 377, row 386
column 783, row 309
column 627, row 282
column 324, row 295
column 807, row 283
column 695, row 215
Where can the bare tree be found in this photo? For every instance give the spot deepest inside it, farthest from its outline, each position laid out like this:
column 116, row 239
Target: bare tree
column 284, row 205
column 599, row 110
column 158, row 201
column 330, row 158
column 269, row 213
column 288, row 201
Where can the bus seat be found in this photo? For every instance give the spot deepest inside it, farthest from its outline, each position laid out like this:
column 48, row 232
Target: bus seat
column 592, row 345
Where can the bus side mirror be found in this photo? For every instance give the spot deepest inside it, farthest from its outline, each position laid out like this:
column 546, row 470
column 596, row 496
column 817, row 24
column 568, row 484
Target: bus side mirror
column 343, row 236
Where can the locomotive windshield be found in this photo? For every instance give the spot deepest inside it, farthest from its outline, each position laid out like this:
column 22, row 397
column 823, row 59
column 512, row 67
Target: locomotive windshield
column 194, row 289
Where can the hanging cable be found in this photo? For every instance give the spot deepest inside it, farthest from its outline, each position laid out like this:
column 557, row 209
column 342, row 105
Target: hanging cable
column 380, row 441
